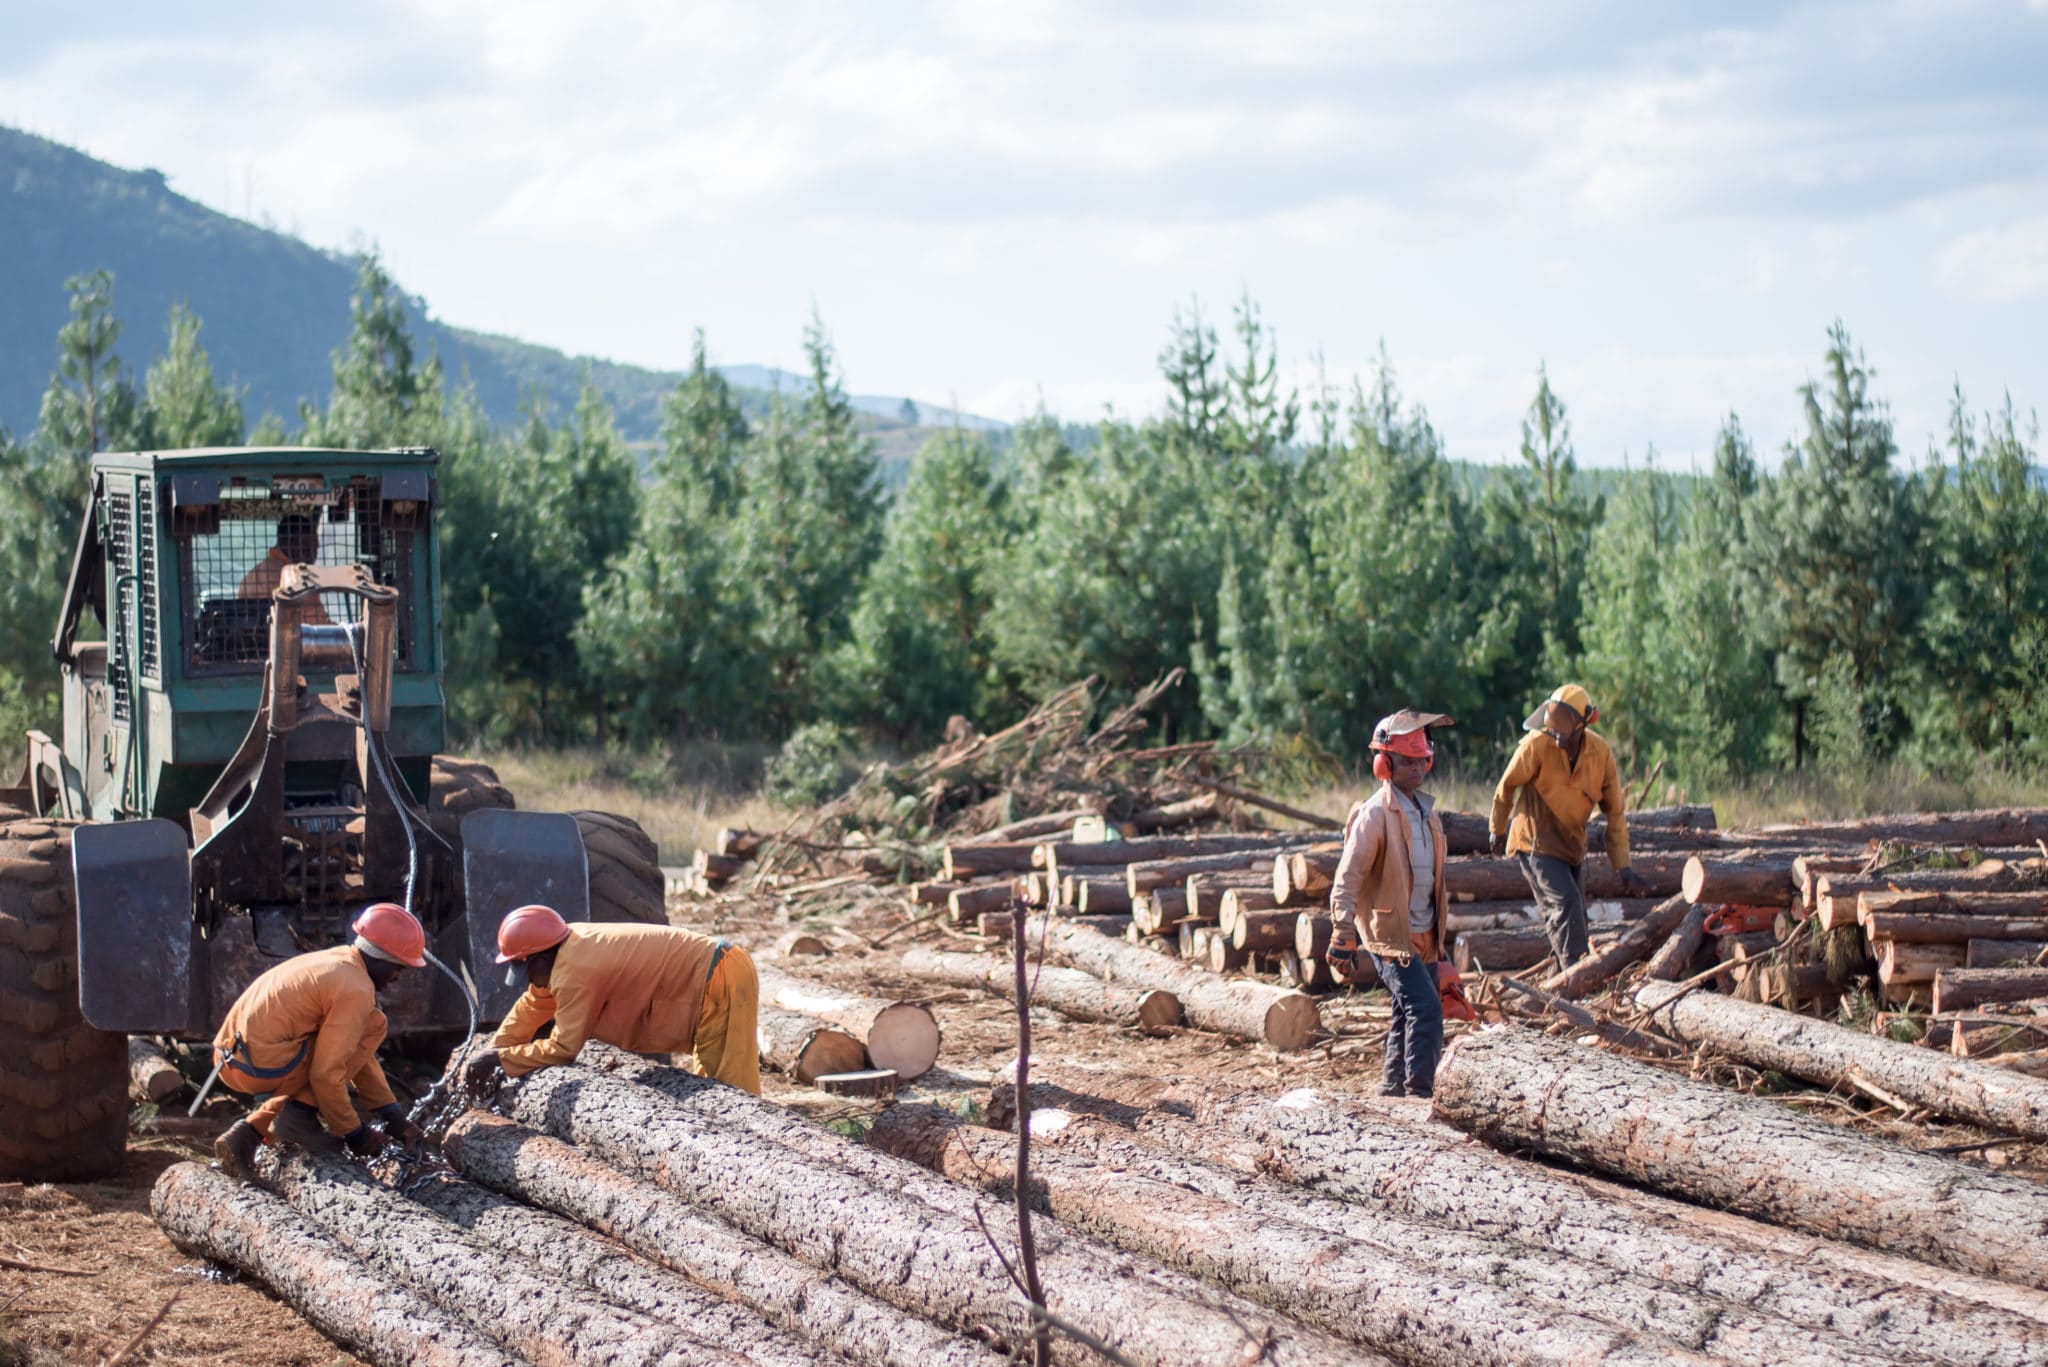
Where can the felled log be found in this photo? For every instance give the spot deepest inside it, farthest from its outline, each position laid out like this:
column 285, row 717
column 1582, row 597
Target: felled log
column 739, row 843
column 1310, row 872
column 1998, row 953
column 151, row 1076
column 1900, row 962
column 1236, row 902
column 1068, row 991
column 932, row 894
column 1533, row 1003
column 1264, row 929
column 1173, row 815
column 1637, row 943
column 1824, row 1053
column 1670, row 961
column 1985, row 913
column 2012, row 828
column 1809, row 869
column 1030, row 828
column 1248, row 1010
column 1204, row 892
column 1523, row 1090
column 373, row 1315
column 1219, row 955
column 1159, row 911
column 1148, row 874
column 1428, row 1295
column 1501, row 880
column 1500, row 951
column 716, row 868
column 964, row 904
column 891, row 1228
column 898, row 1035
column 804, row 1047
column 1393, row 1161
column 963, row 862
column 1068, row 856
column 1837, row 896
column 811, row 1303
column 565, row 1249
column 1097, row 896
column 1759, row 878
column 1312, row 934
column 529, row 1312
column 1959, row 989
column 1974, row 1036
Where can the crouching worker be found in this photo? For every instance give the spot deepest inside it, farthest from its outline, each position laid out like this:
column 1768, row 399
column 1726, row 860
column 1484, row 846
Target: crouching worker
column 307, row 1031
column 1389, row 891
column 647, row 989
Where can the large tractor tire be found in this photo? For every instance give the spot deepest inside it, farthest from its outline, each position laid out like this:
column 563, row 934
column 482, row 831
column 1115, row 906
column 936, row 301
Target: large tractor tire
column 63, row 1084
column 459, row 787
column 625, row 870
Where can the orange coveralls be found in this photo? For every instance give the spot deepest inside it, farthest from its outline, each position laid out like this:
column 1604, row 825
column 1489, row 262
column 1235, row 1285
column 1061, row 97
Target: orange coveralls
column 647, row 989
column 308, row 1029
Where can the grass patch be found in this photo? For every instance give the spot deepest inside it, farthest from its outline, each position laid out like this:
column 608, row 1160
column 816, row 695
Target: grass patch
column 681, row 801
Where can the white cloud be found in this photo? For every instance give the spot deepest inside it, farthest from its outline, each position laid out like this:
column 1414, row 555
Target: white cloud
column 1998, row 264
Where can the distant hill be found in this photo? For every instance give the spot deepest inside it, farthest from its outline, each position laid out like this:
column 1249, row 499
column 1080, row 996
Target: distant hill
column 273, row 307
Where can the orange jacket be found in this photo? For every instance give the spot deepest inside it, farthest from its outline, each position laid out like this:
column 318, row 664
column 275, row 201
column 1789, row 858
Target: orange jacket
column 638, row 987
column 1544, row 801
column 1374, row 883
column 263, row 578
column 323, row 1002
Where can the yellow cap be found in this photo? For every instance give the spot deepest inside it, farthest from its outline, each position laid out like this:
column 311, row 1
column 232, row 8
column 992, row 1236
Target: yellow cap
column 1572, row 696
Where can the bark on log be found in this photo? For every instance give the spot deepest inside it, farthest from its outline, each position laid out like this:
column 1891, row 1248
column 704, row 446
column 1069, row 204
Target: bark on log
column 1204, row 892
column 1173, row 815
column 1977, row 906
column 1157, row 913
column 2013, row 828
column 962, row 862
column 1824, row 1053
column 1390, row 1159
column 1068, row 856
column 1521, row 1089
column 1914, row 928
column 1501, row 880
column 1285, row 1019
column 1101, row 896
column 807, row 1301
column 1836, row 898
column 1959, row 989
column 1749, row 878
column 1639, row 942
column 932, row 894
column 1068, row 991
column 566, row 1249
column 375, row 1316
column 964, row 904
column 1902, row 962
column 1427, row 1295
column 898, row 1035
column 893, row 1229
column 151, row 1076
column 1809, row 869
column 1500, row 951
column 1030, row 828
column 716, row 868
column 1311, row 871
column 1312, row 934
column 739, row 842
column 1148, row 874
column 1670, row 961
column 805, row 1048
column 1265, row 929
column 532, row 1313
column 2005, row 953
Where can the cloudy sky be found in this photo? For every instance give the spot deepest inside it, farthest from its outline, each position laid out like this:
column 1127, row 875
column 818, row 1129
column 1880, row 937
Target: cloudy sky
column 1005, row 202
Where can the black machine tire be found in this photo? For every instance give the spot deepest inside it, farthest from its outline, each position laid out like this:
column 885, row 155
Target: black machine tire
column 625, row 869
column 63, row 1084
column 459, row 787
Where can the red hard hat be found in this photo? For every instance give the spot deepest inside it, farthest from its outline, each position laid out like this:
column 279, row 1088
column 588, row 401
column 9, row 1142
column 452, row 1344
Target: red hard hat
column 394, row 931
column 529, row 930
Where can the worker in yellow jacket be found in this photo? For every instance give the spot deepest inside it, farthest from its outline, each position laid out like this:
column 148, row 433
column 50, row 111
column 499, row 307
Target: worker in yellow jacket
column 306, row 1032
column 647, row 989
column 1561, row 772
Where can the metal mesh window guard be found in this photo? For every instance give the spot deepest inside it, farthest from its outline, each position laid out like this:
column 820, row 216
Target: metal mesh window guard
column 120, row 550
column 230, row 574
column 147, row 630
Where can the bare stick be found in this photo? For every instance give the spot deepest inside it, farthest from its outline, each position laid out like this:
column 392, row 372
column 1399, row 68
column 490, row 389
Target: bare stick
column 128, row 1348
column 1255, row 800
column 1027, row 1244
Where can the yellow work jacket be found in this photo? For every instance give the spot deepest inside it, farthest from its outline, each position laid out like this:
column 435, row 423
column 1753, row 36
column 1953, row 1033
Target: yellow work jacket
column 316, row 1008
column 638, row 987
column 1544, row 801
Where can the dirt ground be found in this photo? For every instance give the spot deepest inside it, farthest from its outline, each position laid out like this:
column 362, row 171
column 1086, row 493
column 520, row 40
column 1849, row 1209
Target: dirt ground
column 104, row 1228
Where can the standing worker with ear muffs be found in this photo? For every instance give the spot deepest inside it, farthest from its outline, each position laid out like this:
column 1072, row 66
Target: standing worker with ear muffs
column 1560, row 773
column 1389, row 889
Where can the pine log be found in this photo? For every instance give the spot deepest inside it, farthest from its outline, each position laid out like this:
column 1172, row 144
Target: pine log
column 934, row 894
column 1837, row 896
column 1809, row 869
column 1099, row 896
column 804, row 1047
column 1831, row 1056
column 894, row 1230
column 1983, row 829
column 1235, row 902
column 1673, row 957
column 1959, row 989
column 1900, row 962
column 964, row 904
column 1501, row 880
column 898, row 1035
column 1204, row 892
column 1173, row 815
column 1311, row 871
column 964, row 862
column 1392, row 1160
column 1998, row 953
column 1520, row 1089
column 1426, row 1295
column 1222, row 956
column 1070, row 855
column 1756, row 878
column 1148, row 874
column 566, row 1249
column 1915, row 928
column 151, row 1076
column 529, row 1311
column 716, row 868
column 1976, row 1036
column 1534, row 1004
column 1500, row 951
column 1029, row 828
column 378, row 1318
column 1248, row 1010
column 739, row 843
column 1068, row 991
column 1639, row 942
column 810, row 1303
column 994, row 925
column 1312, row 934
column 1977, row 907
column 1263, row 929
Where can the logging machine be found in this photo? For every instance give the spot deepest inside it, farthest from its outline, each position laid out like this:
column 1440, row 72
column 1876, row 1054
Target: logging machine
column 249, row 650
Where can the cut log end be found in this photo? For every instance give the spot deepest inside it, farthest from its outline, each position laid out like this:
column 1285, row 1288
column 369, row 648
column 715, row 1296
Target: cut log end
column 1159, row 1011
column 865, row 1082
column 1293, row 1022
column 828, row 1051
column 905, row 1039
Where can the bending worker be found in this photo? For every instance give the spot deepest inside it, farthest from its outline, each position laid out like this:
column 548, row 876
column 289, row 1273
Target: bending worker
column 647, row 989
column 307, row 1031
column 1389, row 889
column 1560, row 772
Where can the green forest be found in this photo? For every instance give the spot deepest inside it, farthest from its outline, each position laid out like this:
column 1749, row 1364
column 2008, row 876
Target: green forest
column 1314, row 559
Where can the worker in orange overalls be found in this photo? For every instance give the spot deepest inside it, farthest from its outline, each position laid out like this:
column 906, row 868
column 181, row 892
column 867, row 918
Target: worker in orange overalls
column 648, row 989
column 298, row 543
column 307, row 1031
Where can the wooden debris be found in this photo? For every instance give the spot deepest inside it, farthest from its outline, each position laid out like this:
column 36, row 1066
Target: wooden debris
column 899, row 1035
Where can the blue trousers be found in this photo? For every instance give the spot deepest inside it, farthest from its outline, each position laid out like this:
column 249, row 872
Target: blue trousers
column 1415, row 1036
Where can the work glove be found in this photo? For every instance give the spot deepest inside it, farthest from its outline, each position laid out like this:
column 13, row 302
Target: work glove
column 1343, row 950
column 400, row 1128
column 364, row 1141
column 1497, row 843
column 1634, row 884
column 483, row 1072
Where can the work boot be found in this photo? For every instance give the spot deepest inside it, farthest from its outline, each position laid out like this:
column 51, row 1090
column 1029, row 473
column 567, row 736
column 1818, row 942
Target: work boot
column 1393, row 1089
column 236, row 1151
column 299, row 1124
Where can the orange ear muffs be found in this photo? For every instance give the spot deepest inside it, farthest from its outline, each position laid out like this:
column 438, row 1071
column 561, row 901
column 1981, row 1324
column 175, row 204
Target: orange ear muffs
column 1381, row 770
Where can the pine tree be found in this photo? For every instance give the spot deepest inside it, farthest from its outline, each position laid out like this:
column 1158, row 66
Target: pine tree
column 1258, row 419
column 185, row 406
column 90, row 404
column 1625, row 610
column 1561, row 518
column 381, row 397
column 1195, row 392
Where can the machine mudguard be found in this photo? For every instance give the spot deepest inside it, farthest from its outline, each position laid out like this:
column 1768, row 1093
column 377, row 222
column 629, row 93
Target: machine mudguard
column 511, row 858
column 137, row 942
